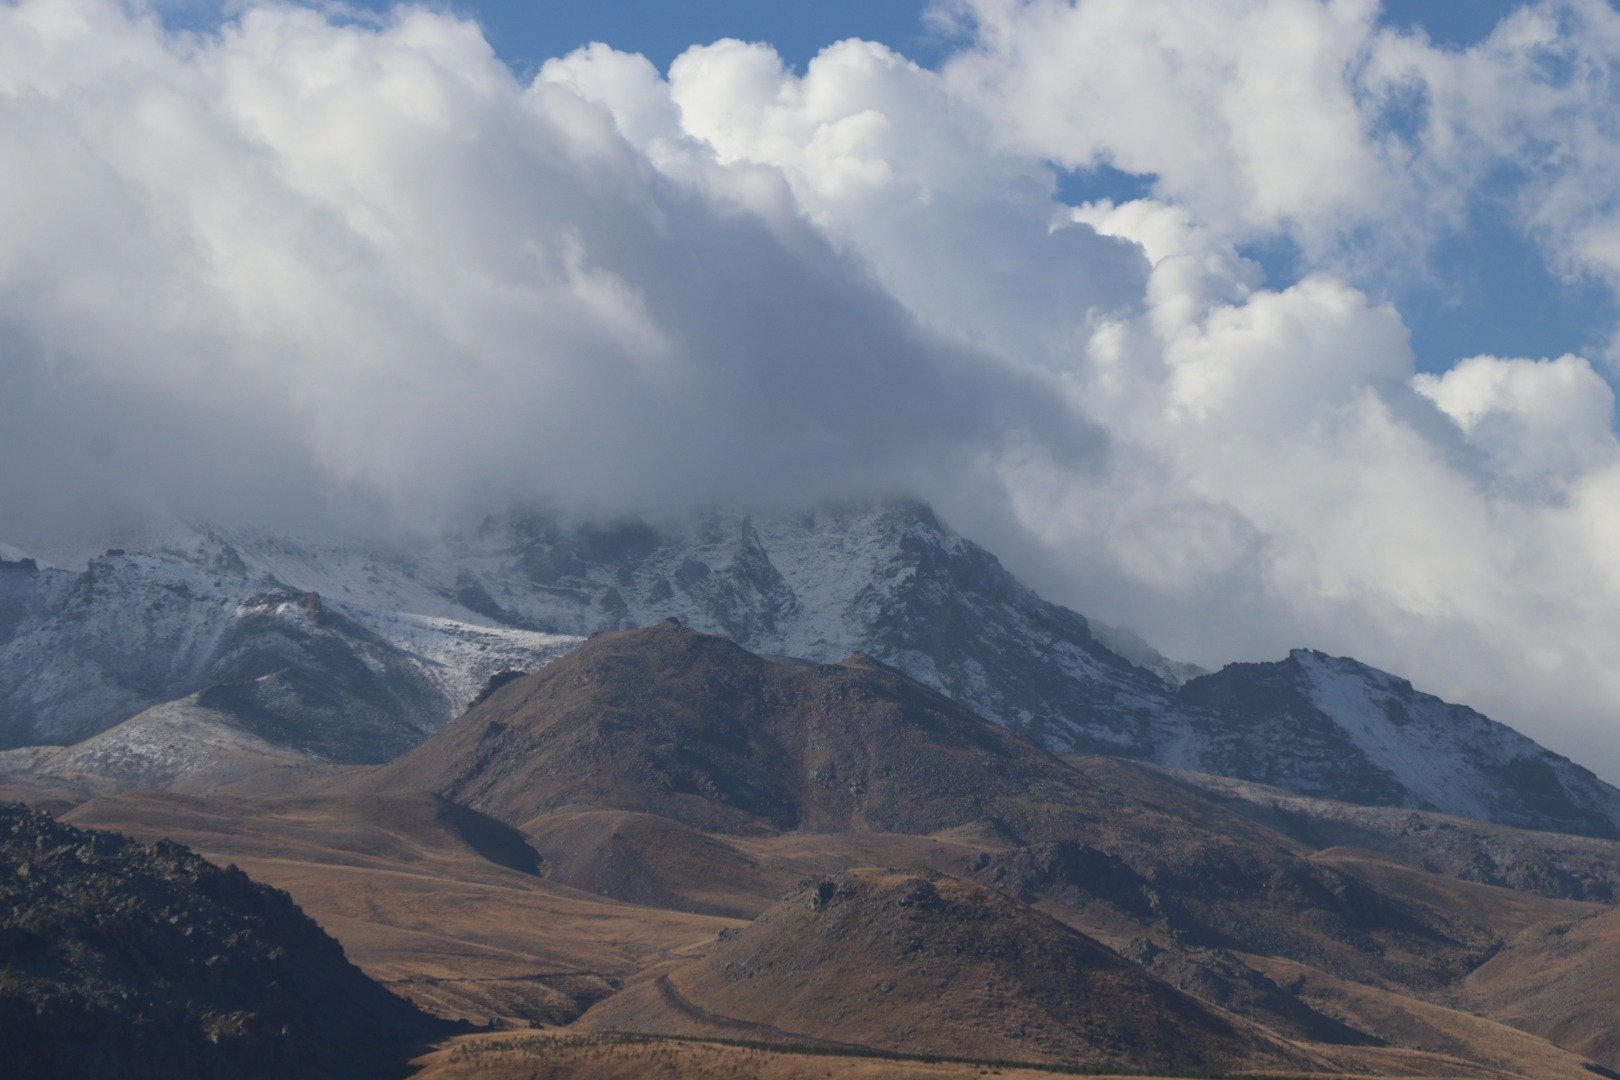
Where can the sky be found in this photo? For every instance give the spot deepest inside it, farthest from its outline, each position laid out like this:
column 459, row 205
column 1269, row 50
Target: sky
column 1472, row 301
column 1256, row 325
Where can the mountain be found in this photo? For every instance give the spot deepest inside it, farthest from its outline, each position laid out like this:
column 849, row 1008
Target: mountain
column 692, row 728
column 1336, row 728
column 434, row 619
column 174, row 745
column 881, row 577
column 605, row 843
column 673, row 770
column 886, row 578
column 122, row 959
column 284, row 726
column 923, row 963
column 82, row 651
column 1555, row 865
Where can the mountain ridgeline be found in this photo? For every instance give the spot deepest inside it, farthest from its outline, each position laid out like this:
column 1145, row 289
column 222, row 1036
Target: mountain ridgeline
column 400, row 639
column 693, row 729
column 664, row 836
column 82, row 651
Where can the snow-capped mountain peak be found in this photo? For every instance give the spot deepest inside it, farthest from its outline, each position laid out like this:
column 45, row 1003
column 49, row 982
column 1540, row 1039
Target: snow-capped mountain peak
column 401, row 636
column 1335, row 727
column 81, row 651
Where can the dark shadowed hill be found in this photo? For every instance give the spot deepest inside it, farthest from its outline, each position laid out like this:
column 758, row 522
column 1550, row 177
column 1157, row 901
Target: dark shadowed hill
column 925, row 963
column 121, row 959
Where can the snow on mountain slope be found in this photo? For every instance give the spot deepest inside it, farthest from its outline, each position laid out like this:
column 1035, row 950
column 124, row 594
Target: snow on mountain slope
column 394, row 638
column 1126, row 642
column 15, row 555
column 1336, row 728
column 457, row 657
column 377, row 577
column 81, row 651
column 885, row 578
column 163, row 746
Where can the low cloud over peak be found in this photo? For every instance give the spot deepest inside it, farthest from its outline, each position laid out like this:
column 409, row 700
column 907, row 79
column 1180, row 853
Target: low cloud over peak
column 310, row 262
column 301, row 269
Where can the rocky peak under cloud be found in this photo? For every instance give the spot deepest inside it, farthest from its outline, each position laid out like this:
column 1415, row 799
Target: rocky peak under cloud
column 409, row 635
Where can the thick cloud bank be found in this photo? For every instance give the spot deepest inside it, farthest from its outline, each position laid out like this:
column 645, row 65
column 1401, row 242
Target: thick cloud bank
column 303, row 262
column 304, row 269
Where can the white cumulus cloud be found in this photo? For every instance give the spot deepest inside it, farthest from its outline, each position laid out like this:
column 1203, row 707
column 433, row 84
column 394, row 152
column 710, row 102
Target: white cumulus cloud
column 303, row 262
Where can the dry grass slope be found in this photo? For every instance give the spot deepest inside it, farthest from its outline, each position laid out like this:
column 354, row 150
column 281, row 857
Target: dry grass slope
column 416, row 905
column 1560, row 981
column 914, row 963
column 574, row 1056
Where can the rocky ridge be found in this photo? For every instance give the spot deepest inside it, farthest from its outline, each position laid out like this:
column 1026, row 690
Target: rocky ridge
column 120, row 959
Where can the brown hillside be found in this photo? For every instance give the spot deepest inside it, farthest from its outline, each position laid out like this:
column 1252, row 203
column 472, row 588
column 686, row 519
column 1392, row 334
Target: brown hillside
column 682, row 784
column 419, row 908
column 1560, row 982
column 694, row 728
column 648, row 792
column 690, row 727
column 930, row 964
column 438, row 903
column 642, row 859
column 613, row 1056
column 616, row 1056
column 1470, row 1042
